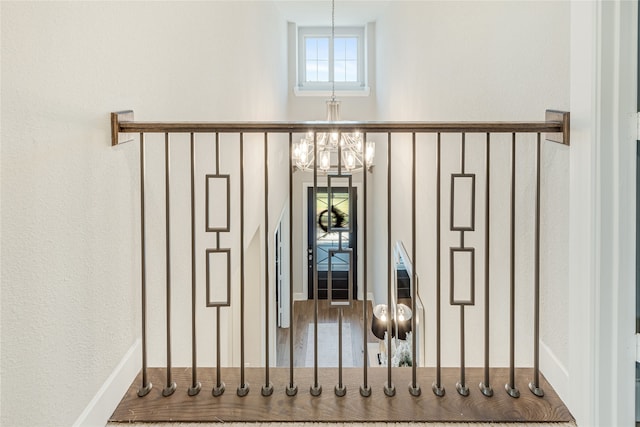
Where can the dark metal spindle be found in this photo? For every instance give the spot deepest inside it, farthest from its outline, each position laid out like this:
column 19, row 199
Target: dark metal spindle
column 292, row 388
column 243, row 388
column 316, row 388
column 146, row 385
column 195, row 384
column 485, row 386
column 365, row 389
column 340, row 389
column 534, row 386
column 461, row 386
column 389, row 387
column 267, row 388
column 414, row 388
column 171, row 385
column 437, row 387
column 219, row 388
column 510, row 387
column 217, row 173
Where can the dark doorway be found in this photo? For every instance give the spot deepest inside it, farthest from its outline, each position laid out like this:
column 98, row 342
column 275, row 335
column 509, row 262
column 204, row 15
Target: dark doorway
column 342, row 214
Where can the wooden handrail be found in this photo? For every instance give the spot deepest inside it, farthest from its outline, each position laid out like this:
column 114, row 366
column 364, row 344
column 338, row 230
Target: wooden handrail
column 557, row 124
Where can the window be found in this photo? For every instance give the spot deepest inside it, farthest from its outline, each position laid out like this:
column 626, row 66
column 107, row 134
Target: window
column 322, row 63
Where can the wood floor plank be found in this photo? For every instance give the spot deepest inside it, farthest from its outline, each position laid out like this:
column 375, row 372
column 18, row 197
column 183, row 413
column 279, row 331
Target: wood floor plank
column 303, row 316
column 351, row 408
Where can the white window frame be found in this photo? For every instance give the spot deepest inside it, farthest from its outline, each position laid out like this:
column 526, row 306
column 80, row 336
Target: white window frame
column 304, row 87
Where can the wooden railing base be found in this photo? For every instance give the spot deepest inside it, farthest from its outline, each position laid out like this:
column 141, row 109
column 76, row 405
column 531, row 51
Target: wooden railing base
column 452, row 407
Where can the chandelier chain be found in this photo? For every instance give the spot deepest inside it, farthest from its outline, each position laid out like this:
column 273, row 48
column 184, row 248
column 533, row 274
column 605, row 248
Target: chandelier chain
column 333, row 33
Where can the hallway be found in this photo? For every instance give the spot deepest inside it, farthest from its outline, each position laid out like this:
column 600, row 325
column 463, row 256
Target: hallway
column 303, row 317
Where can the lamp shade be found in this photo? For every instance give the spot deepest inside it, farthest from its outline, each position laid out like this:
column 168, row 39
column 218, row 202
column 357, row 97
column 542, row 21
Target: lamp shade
column 403, row 320
column 380, row 321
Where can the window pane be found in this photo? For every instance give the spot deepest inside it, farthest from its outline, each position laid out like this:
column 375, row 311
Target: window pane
column 351, row 48
column 317, row 71
column 323, row 48
column 317, row 59
column 339, row 48
column 312, row 71
column 317, row 48
column 339, row 71
column 311, row 48
column 351, row 71
column 323, row 71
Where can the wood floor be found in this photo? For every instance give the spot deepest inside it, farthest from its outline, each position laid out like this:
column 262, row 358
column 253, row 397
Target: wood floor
column 303, row 407
column 279, row 408
column 303, row 315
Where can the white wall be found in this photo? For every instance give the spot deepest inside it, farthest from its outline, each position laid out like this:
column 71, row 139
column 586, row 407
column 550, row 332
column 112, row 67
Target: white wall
column 478, row 61
column 70, row 202
column 602, row 234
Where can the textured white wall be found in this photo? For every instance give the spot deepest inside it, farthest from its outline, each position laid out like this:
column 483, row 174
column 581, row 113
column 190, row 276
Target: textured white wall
column 478, row 61
column 70, row 202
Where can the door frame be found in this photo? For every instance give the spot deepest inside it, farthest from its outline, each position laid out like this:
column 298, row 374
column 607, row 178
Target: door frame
column 322, row 182
column 356, row 247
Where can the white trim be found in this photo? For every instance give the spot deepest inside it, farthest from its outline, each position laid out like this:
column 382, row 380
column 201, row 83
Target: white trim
column 554, row 371
column 108, row 397
column 615, row 235
column 582, row 211
column 299, row 296
column 357, row 32
column 602, row 213
column 365, row 91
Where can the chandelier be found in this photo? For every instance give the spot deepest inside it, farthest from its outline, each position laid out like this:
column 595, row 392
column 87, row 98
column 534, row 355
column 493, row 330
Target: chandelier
column 336, row 150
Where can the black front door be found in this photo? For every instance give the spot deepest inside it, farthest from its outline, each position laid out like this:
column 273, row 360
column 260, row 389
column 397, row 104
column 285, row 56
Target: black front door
column 342, row 214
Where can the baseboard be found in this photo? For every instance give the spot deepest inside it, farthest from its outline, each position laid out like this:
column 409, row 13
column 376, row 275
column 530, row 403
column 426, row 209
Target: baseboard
column 99, row 410
column 554, row 371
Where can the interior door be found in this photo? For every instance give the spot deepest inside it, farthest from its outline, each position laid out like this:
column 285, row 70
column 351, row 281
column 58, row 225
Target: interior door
column 342, row 214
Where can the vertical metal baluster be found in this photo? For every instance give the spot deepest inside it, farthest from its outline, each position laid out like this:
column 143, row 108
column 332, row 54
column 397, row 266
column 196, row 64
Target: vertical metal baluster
column 340, row 389
column 365, row 389
column 414, row 388
column 217, row 173
column 146, row 385
column 510, row 387
column 461, row 386
column 485, row 386
column 171, row 385
column 267, row 388
column 195, row 384
column 316, row 388
column 292, row 388
column 243, row 388
column 389, row 387
column 219, row 388
column 534, row 386
column 437, row 387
